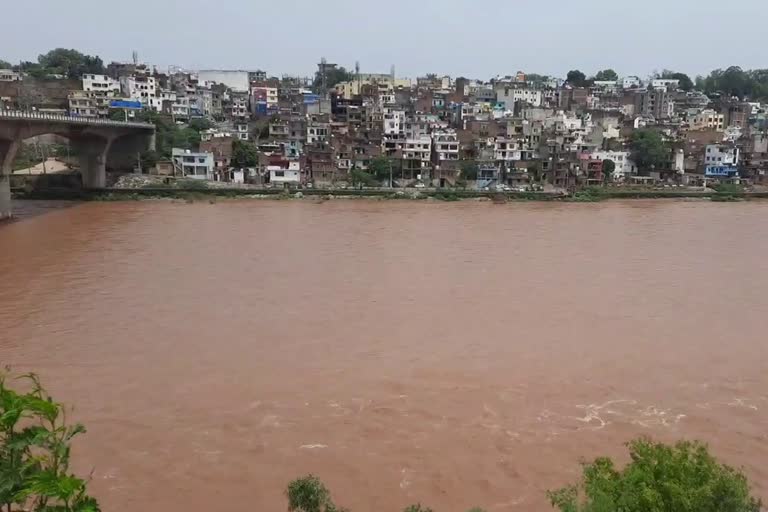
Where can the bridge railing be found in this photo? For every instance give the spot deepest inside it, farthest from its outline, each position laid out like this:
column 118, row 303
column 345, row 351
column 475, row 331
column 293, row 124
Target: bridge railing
column 39, row 116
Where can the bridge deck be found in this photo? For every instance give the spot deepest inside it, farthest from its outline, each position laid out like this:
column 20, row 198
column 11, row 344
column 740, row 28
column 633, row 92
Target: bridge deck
column 17, row 115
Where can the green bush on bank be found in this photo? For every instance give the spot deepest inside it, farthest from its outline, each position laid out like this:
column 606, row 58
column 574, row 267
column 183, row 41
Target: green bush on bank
column 684, row 477
column 35, row 447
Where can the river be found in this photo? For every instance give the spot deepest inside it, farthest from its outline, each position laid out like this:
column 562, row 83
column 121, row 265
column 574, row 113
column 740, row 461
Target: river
column 453, row 354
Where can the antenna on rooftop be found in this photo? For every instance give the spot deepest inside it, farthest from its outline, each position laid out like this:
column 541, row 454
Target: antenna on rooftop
column 357, row 74
column 323, row 76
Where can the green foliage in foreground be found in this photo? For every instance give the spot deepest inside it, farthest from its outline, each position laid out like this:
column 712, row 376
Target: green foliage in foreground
column 34, row 452
column 309, row 494
column 660, row 478
column 360, row 178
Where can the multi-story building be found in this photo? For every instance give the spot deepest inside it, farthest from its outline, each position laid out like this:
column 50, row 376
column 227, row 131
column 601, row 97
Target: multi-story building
column 654, row 103
column 238, row 104
column 511, row 95
column 101, row 84
column 707, row 119
column 721, row 161
column 631, row 82
column 180, row 109
column 419, row 148
column 285, row 173
column 669, row 84
column 317, row 132
column 446, row 144
column 624, row 166
column 199, row 166
column 95, row 98
column 241, row 130
column 264, row 100
column 394, row 122
column 88, row 104
column 507, row 149
column 139, row 88
column 237, row 80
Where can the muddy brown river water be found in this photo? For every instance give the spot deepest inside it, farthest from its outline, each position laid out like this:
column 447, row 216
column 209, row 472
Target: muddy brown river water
column 454, row 354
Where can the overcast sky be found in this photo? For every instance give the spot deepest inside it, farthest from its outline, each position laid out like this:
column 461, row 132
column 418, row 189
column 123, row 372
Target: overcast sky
column 473, row 38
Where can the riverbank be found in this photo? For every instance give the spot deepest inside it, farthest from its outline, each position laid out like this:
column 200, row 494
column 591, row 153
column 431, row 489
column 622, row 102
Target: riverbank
column 200, row 193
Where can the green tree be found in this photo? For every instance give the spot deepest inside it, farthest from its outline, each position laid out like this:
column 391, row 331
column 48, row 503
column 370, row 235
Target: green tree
column 535, row 78
column 380, row 168
column 417, row 508
column 309, row 494
column 332, row 77
column 70, row 63
column 608, row 167
column 35, row 453
column 685, row 82
column 4, row 64
column 534, row 171
column 468, row 170
column 577, row 79
column 149, row 159
column 607, row 75
column 360, row 179
column 34, row 69
column 733, row 81
column 244, row 154
column 659, row 478
column 649, row 151
column 200, row 124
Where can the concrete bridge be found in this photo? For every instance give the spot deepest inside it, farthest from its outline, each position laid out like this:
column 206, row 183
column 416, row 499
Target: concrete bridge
column 93, row 140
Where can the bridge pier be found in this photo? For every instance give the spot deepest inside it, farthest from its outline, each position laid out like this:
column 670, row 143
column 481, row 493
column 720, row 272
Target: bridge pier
column 8, row 150
column 93, row 160
column 92, row 138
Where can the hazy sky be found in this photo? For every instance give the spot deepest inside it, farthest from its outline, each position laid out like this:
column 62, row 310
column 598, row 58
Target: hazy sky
column 474, row 38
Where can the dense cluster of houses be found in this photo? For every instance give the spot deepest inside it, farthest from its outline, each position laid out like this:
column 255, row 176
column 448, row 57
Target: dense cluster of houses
column 511, row 131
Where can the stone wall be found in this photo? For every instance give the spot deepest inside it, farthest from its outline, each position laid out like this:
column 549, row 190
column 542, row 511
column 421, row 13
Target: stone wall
column 40, row 93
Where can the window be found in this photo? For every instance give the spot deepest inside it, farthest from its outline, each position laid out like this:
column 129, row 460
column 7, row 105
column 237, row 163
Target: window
column 280, row 174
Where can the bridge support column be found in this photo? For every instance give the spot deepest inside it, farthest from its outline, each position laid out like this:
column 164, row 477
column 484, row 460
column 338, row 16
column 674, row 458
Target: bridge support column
column 93, row 160
column 8, row 150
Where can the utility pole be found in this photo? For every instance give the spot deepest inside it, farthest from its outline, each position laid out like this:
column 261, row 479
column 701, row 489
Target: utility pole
column 390, row 173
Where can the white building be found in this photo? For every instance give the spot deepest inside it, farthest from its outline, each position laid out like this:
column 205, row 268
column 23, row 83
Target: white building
column 624, row 165
column 237, row 80
column 394, row 122
column 241, row 131
column 180, row 109
column 631, row 82
column 139, row 88
column 717, row 154
column 606, row 85
column 198, row 166
column 239, row 105
column 507, row 149
column 419, row 148
column 9, row 75
column 101, row 84
column 281, row 176
column 317, row 132
column 508, row 96
column 446, row 145
column 670, row 84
